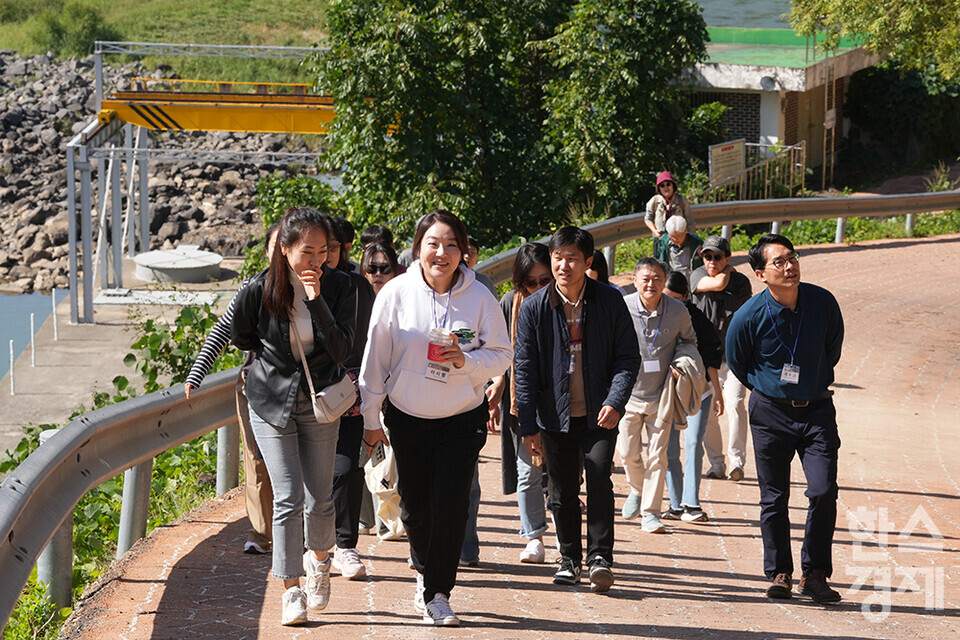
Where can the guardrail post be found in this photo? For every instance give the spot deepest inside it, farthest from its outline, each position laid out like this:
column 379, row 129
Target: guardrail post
column 610, row 253
column 228, row 458
column 775, row 227
column 841, row 231
column 727, row 231
column 55, row 564
column 136, row 502
column 911, row 221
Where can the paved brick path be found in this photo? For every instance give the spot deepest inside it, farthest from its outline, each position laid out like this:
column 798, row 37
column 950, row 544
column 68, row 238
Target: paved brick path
column 898, row 398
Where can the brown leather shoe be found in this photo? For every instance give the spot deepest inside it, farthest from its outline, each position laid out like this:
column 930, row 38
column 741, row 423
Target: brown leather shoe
column 815, row 585
column 781, row 587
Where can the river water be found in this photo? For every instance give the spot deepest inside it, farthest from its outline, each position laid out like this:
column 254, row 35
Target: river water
column 754, row 14
column 15, row 323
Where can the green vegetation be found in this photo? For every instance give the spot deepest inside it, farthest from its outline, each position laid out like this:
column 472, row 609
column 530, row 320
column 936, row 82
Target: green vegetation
column 505, row 112
column 182, row 477
column 69, row 27
column 918, row 32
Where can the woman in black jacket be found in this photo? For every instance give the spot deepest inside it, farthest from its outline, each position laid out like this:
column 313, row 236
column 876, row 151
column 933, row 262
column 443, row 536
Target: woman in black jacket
column 298, row 299
column 684, row 487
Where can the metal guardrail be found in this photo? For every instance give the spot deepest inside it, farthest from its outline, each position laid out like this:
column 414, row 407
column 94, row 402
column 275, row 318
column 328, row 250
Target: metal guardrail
column 609, row 233
column 41, row 493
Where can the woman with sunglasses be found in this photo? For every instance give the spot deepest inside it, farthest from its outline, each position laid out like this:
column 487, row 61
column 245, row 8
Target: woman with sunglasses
column 521, row 473
column 379, row 264
column 348, row 477
column 668, row 202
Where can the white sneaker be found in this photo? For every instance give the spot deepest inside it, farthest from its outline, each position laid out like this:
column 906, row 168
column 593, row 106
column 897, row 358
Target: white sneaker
column 318, row 581
column 348, row 563
column 439, row 613
column 534, row 552
column 418, row 604
column 294, row 607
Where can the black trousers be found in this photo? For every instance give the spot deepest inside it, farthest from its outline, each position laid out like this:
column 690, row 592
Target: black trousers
column 436, row 460
column 779, row 431
column 563, row 452
column 348, row 481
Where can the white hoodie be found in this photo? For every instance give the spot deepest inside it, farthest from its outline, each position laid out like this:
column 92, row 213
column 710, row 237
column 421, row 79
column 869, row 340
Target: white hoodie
column 395, row 360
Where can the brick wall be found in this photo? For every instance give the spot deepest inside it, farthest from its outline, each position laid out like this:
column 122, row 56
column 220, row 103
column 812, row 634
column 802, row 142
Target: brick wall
column 742, row 120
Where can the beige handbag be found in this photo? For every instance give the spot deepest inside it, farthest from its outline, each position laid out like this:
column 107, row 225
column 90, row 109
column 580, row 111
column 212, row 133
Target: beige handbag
column 330, row 403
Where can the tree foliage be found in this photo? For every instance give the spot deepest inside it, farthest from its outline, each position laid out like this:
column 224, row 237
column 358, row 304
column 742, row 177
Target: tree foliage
column 503, row 111
column 439, row 104
column 916, row 32
column 902, row 117
column 615, row 108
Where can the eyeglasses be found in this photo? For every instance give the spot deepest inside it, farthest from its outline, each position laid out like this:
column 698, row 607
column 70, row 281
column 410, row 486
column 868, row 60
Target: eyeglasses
column 780, row 262
column 375, row 268
column 542, row 282
column 711, row 257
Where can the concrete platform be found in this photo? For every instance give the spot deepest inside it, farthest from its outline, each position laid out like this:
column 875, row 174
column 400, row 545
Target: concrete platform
column 186, row 263
column 86, row 358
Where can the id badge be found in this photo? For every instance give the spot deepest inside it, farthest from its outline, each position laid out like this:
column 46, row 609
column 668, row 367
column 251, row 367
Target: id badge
column 790, row 374
column 651, row 366
column 574, row 350
column 437, row 371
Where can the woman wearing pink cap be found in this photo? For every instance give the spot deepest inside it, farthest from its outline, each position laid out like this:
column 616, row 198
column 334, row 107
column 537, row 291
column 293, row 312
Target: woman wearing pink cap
column 667, row 203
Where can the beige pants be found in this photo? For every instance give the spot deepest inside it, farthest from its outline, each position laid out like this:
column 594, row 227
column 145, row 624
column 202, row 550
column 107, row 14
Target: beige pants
column 648, row 479
column 735, row 415
column 257, row 491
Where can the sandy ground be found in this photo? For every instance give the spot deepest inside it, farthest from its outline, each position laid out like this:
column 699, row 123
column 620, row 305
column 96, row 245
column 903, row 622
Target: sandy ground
column 895, row 556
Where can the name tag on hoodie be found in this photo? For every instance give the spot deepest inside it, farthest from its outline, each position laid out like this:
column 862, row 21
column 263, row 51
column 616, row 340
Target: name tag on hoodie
column 437, row 371
column 651, row 366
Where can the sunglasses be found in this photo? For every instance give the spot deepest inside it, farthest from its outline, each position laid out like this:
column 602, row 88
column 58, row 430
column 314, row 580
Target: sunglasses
column 711, row 257
column 375, row 268
column 542, row 282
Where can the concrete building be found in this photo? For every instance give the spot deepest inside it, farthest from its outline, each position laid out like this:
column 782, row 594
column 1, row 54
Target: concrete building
column 778, row 87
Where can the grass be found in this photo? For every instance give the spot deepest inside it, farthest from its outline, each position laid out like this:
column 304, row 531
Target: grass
column 239, row 22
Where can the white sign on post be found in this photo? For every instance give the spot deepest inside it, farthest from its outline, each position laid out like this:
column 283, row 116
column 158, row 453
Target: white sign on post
column 727, row 159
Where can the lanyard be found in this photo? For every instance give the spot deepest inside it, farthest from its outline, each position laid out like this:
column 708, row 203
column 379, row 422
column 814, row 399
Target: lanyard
column 777, row 333
column 656, row 333
column 681, row 255
column 573, row 343
column 438, row 323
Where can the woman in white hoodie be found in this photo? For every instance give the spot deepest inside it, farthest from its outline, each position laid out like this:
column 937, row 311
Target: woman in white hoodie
column 434, row 406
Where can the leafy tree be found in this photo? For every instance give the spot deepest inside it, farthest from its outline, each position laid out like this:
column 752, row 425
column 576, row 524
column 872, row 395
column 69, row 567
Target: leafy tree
column 615, row 110
column 439, row 104
column 511, row 113
column 916, row 32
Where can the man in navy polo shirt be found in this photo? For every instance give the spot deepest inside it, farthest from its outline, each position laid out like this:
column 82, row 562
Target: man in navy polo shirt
column 783, row 344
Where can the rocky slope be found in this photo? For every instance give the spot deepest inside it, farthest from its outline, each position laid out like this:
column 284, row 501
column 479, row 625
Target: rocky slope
column 45, row 102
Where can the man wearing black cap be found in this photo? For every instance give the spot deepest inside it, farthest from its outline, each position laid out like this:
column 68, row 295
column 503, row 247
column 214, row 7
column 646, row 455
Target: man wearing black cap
column 784, row 344
column 719, row 290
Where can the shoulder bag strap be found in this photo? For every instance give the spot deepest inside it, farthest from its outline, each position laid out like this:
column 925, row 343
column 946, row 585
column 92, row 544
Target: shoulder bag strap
column 303, row 358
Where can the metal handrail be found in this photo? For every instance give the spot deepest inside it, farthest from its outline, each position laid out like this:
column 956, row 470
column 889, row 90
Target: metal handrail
column 608, row 233
column 791, row 159
column 40, row 494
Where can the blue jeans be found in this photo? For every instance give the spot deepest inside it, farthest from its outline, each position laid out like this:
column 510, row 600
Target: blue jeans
column 299, row 458
column 533, row 514
column 693, row 448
